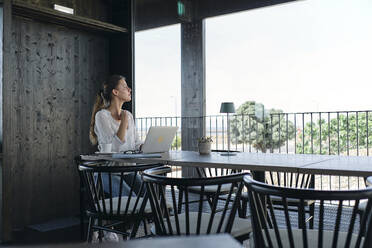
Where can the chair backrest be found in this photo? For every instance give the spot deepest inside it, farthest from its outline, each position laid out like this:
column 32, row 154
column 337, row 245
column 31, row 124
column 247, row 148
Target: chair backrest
column 290, row 179
column 174, row 216
column 336, row 225
column 103, row 183
column 215, row 172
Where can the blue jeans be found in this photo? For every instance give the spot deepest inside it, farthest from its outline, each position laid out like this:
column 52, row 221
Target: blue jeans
column 115, row 182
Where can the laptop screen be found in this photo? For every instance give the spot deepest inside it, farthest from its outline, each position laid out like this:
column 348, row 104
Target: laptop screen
column 159, row 139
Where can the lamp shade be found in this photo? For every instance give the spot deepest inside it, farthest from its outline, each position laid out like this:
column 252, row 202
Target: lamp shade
column 227, row 107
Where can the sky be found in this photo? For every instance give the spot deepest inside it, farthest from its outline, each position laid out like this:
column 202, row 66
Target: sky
column 304, row 56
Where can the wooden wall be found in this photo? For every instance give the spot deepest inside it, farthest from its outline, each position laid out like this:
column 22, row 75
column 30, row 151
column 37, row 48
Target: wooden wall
column 95, row 9
column 54, row 74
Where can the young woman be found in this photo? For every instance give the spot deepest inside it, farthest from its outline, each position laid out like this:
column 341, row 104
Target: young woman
column 110, row 124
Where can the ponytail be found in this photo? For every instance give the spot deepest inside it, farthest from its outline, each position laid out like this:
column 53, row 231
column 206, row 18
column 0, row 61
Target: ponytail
column 98, row 105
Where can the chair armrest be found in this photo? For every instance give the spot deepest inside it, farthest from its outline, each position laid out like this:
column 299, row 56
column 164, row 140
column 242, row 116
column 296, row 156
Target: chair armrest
column 161, row 170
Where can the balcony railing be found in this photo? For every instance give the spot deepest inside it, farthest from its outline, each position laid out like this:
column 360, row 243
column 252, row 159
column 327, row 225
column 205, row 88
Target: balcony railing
column 345, row 133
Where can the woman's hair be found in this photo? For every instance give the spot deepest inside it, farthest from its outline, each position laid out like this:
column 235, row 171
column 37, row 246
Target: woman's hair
column 103, row 100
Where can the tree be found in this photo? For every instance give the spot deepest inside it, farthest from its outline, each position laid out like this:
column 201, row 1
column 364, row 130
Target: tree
column 176, row 144
column 340, row 135
column 263, row 129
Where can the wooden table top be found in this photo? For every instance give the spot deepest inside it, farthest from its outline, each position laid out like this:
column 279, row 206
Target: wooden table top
column 304, row 163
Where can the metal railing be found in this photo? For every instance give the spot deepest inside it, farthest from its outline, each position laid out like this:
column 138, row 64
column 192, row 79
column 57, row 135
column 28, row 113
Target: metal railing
column 345, row 133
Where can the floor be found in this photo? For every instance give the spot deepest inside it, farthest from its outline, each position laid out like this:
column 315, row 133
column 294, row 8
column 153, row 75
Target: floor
column 71, row 234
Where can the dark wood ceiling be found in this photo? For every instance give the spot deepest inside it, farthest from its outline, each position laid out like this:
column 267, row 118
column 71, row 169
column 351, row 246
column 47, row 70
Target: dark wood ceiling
column 157, row 13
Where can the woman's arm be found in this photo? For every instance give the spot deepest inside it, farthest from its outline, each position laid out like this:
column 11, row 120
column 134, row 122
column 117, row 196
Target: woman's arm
column 123, row 126
column 106, row 133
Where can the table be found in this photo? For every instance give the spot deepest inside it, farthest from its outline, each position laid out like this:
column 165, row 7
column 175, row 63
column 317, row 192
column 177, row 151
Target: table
column 260, row 162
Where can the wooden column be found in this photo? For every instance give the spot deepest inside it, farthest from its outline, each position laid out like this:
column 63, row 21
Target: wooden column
column 6, row 173
column 192, row 84
column 122, row 46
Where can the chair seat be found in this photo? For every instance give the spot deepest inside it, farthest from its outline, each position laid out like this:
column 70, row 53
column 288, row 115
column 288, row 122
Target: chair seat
column 124, row 200
column 225, row 189
column 277, row 200
column 290, row 201
column 312, row 237
column 240, row 227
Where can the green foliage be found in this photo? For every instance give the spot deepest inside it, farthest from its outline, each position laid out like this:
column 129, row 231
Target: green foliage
column 206, row 139
column 263, row 132
column 176, row 144
column 339, row 135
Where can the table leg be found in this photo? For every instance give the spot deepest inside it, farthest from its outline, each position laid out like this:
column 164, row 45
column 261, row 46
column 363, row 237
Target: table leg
column 258, row 175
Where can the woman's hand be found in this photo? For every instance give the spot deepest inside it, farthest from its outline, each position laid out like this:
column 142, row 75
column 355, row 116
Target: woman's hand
column 123, row 125
column 124, row 119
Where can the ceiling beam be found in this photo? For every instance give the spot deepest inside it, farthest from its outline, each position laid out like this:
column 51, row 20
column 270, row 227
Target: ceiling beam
column 157, row 13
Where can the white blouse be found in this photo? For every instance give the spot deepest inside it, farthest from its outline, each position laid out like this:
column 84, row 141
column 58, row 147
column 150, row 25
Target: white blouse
column 106, row 128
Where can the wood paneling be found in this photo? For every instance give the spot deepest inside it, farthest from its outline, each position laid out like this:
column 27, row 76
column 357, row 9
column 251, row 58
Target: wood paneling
column 55, row 73
column 49, row 15
column 95, row 9
column 7, row 199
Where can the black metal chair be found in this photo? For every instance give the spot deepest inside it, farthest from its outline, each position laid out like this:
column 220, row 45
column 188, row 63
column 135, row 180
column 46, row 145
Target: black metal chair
column 363, row 204
column 200, row 218
column 277, row 228
column 210, row 191
column 288, row 180
column 110, row 212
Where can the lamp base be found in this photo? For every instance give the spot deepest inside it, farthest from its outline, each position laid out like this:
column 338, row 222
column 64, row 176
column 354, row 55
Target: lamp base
column 228, row 154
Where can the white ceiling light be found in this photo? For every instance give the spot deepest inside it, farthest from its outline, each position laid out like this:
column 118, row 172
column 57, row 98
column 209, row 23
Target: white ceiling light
column 63, row 9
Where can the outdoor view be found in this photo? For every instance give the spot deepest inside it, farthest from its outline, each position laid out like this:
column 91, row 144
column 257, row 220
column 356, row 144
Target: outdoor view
column 298, row 74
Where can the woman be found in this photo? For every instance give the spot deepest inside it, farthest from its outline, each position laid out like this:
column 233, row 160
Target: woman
column 110, row 124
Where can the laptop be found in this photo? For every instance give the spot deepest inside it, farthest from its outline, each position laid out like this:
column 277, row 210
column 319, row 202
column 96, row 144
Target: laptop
column 159, row 139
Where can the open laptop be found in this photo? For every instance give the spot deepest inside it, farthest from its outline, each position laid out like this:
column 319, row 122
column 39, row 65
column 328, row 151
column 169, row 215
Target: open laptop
column 159, row 139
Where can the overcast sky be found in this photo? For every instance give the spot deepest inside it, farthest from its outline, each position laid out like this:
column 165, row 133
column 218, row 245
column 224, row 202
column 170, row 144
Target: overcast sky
column 312, row 55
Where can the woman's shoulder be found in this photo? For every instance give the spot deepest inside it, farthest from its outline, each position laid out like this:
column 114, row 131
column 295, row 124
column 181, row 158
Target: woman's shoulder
column 103, row 113
column 128, row 113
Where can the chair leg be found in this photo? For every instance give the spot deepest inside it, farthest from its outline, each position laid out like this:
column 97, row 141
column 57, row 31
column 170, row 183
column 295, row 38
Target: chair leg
column 180, row 196
column 243, row 208
column 100, row 232
column 312, row 212
column 145, row 227
column 135, row 228
column 90, row 230
column 82, row 209
column 210, row 202
column 301, row 222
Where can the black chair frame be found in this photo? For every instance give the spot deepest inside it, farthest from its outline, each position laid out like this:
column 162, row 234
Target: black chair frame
column 266, row 229
column 168, row 223
column 120, row 212
column 289, row 180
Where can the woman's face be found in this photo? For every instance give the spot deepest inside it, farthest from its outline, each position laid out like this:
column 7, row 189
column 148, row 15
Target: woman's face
column 122, row 91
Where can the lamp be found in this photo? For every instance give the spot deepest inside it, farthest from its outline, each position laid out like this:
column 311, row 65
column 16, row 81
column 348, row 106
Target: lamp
column 227, row 107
